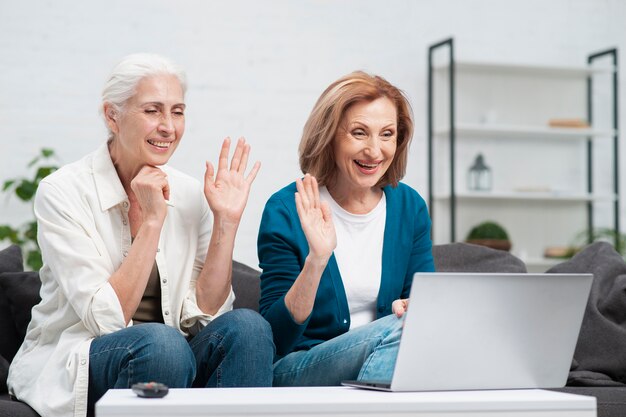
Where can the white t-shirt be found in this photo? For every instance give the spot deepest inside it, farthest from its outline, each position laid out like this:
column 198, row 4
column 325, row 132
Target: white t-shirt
column 359, row 255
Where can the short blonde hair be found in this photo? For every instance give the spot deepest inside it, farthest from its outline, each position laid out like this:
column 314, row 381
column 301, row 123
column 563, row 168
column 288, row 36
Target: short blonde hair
column 316, row 151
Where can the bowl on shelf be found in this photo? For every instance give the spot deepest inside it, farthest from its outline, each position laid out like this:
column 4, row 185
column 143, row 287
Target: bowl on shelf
column 489, row 234
column 499, row 244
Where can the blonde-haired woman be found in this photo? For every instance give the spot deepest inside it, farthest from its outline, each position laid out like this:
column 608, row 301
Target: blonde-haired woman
column 339, row 248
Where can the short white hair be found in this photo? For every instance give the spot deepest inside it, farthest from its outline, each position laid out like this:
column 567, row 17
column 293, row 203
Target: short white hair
column 122, row 83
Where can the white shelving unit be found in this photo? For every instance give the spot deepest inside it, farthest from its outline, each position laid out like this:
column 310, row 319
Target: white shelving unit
column 549, row 183
column 518, row 131
column 522, row 68
column 530, row 195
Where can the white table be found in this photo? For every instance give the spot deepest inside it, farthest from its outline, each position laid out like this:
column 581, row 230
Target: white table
column 344, row 401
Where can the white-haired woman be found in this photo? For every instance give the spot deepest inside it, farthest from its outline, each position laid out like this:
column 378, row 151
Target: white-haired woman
column 136, row 282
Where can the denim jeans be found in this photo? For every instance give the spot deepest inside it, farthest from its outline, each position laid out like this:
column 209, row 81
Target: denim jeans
column 365, row 353
column 234, row 350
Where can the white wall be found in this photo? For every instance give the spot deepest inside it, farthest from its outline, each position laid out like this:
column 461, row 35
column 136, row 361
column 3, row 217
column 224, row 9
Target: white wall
column 257, row 67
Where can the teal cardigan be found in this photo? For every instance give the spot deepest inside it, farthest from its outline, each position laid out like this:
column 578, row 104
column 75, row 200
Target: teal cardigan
column 282, row 249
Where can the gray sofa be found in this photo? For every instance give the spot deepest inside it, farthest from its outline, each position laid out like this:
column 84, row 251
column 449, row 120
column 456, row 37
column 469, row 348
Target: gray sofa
column 593, row 372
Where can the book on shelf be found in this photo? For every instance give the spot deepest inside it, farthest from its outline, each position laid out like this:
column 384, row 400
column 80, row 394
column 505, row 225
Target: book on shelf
column 569, row 123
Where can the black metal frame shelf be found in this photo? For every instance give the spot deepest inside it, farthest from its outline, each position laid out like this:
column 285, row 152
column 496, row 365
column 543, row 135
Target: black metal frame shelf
column 452, row 128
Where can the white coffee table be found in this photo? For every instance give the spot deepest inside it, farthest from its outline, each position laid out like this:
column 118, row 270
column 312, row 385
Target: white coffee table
column 344, row 401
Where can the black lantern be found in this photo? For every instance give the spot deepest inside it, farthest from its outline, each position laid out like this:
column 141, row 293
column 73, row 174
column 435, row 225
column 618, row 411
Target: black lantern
column 479, row 176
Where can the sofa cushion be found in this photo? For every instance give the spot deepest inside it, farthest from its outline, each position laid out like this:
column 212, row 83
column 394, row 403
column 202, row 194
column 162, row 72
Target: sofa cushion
column 467, row 257
column 611, row 401
column 22, row 292
column 600, row 357
column 4, row 374
column 11, row 259
column 8, row 341
column 246, row 286
column 12, row 408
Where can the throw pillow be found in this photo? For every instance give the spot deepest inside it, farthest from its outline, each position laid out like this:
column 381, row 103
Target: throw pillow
column 4, row 374
column 21, row 292
column 466, row 257
column 246, row 285
column 600, row 357
column 11, row 259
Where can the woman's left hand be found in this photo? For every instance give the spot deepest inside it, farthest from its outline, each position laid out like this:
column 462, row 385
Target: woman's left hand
column 400, row 306
column 227, row 192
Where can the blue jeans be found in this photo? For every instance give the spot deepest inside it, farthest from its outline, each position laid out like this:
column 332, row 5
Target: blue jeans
column 234, row 350
column 365, row 353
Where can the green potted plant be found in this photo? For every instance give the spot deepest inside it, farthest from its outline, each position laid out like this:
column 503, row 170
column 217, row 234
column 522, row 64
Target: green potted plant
column 25, row 188
column 489, row 234
column 604, row 234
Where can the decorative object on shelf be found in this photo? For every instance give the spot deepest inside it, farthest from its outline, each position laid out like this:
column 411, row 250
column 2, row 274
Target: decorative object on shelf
column 489, row 234
column 602, row 234
column 561, row 252
column 583, row 238
column 479, row 175
column 569, row 123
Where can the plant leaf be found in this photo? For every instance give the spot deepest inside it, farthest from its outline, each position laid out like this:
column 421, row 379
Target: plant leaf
column 43, row 172
column 7, row 232
column 33, row 259
column 26, row 190
column 31, row 231
column 33, row 162
column 47, row 152
column 7, row 184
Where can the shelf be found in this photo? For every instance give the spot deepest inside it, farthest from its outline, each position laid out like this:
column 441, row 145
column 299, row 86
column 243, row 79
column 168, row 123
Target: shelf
column 541, row 264
column 492, row 67
column 518, row 131
column 469, row 94
column 525, row 196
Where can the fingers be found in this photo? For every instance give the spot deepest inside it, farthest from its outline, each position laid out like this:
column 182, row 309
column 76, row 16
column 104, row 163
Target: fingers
column 304, row 197
column 237, row 156
column 399, row 307
column 308, row 197
column 316, row 191
column 299, row 207
column 252, row 175
column 166, row 191
column 244, row 158
column 311, row 196
column 209, row 174
column 239, row 161
column 150, row 185
column 223, row 160
column 326, row 212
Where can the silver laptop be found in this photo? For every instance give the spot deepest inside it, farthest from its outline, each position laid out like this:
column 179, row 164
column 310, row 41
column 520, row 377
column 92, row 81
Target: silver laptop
column 471, row 331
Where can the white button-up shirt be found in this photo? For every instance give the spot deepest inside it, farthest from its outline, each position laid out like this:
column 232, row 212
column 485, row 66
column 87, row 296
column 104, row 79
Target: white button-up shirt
column 84, row 234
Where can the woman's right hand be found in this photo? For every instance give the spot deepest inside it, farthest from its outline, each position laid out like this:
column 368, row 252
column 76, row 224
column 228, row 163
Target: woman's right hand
column 316, row 219
column 151, row 190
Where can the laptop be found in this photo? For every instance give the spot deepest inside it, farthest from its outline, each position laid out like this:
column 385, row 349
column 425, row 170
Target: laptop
column 484, row 331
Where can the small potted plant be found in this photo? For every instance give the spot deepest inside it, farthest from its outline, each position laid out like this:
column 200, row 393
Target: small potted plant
column 489, row 234
column 25, row 188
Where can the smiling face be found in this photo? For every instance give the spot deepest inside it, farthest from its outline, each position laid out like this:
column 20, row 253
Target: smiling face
column 364, row 145
column 150, row 126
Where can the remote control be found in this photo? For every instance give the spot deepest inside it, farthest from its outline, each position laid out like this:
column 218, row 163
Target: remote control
column 150, row 389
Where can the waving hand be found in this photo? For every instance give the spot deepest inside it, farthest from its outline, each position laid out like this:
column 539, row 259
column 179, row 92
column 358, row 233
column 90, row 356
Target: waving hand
column 227, row 192
column 315, row 218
